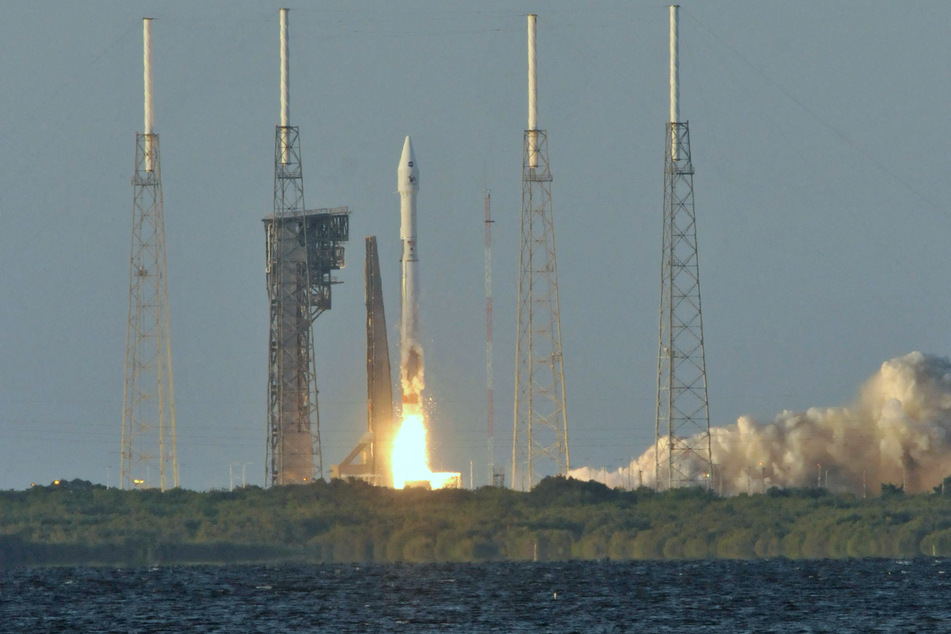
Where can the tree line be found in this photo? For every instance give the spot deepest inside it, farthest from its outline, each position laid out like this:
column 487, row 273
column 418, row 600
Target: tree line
column 79, row 523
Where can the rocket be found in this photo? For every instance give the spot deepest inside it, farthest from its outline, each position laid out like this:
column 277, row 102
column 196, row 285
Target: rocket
column 411, row 352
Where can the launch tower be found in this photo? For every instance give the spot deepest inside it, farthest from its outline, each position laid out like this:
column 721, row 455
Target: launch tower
column 303, row 249
column 149, row 457
column 682, row 426
column 540, row 439
column 375, row 447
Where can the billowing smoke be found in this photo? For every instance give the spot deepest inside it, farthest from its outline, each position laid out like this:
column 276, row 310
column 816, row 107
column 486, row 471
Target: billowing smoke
column 898, row 431
column 411, row 373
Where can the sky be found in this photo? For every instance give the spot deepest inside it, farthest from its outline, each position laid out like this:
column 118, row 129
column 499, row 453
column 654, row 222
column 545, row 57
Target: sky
column 819, row 141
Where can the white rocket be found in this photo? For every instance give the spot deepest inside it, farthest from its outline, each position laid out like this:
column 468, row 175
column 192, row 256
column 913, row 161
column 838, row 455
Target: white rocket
column 411, row 352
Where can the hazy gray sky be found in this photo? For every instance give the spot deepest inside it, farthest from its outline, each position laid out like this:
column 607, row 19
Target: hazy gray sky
column 819, row 138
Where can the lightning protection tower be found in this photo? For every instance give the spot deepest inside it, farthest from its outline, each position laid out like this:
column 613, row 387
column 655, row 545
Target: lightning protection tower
column 540, row 442
column 682, row 428
column 489, row 382
column 149, row 456
column 303, row 250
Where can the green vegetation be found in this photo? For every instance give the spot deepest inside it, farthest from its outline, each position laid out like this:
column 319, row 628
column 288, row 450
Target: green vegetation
column 81, row 523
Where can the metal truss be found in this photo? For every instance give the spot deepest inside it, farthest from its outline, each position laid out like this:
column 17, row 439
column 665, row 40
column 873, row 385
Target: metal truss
column 540, row 439
column 149, row 456
column 303, row 248
column 682, row 428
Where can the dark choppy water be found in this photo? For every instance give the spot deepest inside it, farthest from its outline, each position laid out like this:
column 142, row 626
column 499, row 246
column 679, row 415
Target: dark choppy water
column 710, row 596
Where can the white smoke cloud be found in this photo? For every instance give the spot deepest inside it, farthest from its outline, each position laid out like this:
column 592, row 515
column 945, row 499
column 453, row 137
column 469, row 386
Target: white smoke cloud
column 898, row 431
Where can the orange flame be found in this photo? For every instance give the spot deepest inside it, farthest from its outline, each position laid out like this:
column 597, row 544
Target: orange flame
column 410, row 462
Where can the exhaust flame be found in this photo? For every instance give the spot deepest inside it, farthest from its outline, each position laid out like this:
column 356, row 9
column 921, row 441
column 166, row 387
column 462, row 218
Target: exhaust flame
column 410, row 462
column 898, row 431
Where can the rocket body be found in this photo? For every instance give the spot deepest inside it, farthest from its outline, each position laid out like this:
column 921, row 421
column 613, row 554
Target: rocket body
column 411, row 352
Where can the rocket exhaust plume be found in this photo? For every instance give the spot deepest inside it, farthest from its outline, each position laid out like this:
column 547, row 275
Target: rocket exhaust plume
column 898, row 431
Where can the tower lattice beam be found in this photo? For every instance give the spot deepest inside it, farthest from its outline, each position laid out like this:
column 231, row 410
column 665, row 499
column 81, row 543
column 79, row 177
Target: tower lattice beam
column 683, row 452
column 303, row 249
column 540, row 438
column 149, row 456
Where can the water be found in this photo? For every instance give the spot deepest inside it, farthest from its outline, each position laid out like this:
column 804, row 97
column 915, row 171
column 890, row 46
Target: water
column 709, row 596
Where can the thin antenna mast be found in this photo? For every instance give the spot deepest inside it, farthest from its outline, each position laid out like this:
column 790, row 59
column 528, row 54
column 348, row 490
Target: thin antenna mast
column 674, row 77
column 532, row 94
column 489, row 387
column 147, row 81
column 285, row 89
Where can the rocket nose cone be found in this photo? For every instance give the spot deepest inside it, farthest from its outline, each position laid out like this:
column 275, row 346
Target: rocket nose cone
column 408, row 172
column 407, row 154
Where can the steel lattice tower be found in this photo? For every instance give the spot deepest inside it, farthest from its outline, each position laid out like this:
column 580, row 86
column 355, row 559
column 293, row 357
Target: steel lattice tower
column 541, row 422
column 293, row 424
column 303, row 249
column 682, row 430
column 148, row 410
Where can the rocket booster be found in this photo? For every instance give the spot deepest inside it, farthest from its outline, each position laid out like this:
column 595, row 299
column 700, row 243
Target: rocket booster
column 411, row 353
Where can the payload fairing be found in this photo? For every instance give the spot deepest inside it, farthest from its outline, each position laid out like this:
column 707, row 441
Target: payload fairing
column 411, row 352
